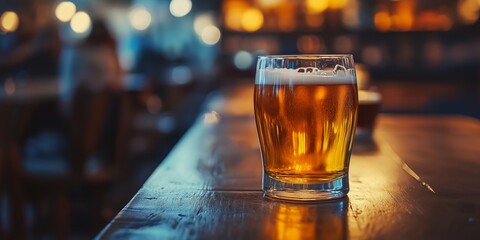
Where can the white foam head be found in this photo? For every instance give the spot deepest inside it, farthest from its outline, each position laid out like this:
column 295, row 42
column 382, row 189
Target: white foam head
column 305, row 75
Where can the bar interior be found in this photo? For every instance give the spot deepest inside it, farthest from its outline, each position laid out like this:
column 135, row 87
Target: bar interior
column 95, row 94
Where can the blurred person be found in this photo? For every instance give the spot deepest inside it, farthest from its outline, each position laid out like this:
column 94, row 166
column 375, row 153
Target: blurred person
column 91, row 64
column 31, row 50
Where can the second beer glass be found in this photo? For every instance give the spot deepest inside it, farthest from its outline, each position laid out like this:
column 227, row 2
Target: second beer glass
column 305, row 112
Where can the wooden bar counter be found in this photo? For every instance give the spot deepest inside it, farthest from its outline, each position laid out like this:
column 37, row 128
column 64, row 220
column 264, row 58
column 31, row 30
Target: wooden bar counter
column 418, row 179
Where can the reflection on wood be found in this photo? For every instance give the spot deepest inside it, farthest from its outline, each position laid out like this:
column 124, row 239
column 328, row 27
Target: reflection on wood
column 210, row 185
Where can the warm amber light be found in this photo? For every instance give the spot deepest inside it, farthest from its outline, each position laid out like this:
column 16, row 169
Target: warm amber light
column 406, row 22
column 314, row 20
column 233, row 11
column 337, row 4
column 402, row 22
column 288, row 19
column 434, row 21
column 404, row 15
column 9, row 21
column 269, row 3
column 468, row 11
column 382, row 21
column 291, row 222
column 428, row 21
column 299, row 149
column 316, row 6
column 65, row 11
column 252, row 20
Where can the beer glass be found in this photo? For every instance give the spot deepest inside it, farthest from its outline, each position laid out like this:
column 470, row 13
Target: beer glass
column 305, row 113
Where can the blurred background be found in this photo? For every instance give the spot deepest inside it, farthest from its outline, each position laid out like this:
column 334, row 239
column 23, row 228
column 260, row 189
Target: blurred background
column 94, row 93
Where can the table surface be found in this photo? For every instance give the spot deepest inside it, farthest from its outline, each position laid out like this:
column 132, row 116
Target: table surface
column 419, row 179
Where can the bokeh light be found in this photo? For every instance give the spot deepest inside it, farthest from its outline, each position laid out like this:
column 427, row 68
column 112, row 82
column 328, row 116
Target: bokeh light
column 252, row 20
column 81, row 22
column 9, row 21
column 403, row 16
column 180, row 8
column 336, row 4
column 202, row 21
column 316, row 6
column 289, row 20
column 382, row 20
column 181, row 74
column 140, row 18
column 210, row 35
column 468, row 11
column 243, row 60
column 269, row 3
column 233, row 11
column 211, row 118
column 65, row 11
column 351, row 15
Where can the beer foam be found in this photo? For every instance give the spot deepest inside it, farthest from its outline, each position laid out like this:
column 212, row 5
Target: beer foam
column 306, row 75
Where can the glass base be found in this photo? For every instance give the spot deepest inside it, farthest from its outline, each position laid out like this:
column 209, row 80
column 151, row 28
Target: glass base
column 334, row 189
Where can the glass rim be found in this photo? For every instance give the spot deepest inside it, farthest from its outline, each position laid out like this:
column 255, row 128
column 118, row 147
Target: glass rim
column 305, row 56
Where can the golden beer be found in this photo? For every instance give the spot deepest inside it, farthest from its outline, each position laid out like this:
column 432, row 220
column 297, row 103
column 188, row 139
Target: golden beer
column 305, row 112
column 305, row 131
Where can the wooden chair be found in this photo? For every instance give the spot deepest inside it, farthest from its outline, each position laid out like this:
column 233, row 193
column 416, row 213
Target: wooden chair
column 13, row 118
column 91, row 114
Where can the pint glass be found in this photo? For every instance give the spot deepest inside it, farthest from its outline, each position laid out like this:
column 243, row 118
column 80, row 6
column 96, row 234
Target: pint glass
column 305, row 113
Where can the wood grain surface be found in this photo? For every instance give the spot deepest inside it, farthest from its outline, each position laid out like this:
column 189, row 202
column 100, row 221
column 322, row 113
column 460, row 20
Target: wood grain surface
column 418, row 179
